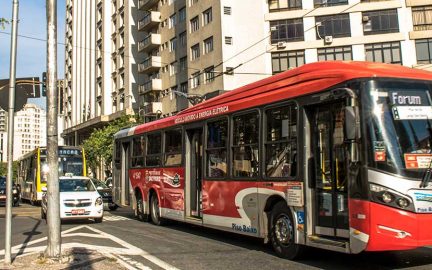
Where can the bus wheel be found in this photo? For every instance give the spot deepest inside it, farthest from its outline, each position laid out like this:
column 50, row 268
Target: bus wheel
column 282, row 232
column 155, row 211
column 139, row 210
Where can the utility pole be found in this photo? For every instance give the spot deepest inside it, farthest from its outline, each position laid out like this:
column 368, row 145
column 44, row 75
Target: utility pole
column 53, row 194
column 12, row 74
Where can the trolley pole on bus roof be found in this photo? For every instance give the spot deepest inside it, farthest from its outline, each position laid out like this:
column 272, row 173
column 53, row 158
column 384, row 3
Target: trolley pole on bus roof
column 8, row 229
column 53, row 194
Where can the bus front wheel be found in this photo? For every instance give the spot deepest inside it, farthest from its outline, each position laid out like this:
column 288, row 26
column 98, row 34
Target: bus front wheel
column 155, row 211
column 282, row 232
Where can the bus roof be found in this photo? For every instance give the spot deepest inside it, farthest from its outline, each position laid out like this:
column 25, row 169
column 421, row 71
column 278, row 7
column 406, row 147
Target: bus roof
column 300, row 81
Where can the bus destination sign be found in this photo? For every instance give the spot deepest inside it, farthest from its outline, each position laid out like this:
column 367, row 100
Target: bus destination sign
column 201, row 115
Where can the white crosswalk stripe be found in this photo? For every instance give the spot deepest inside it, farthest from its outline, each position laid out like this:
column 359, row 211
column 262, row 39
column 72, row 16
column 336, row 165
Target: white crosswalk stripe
column 115, row 218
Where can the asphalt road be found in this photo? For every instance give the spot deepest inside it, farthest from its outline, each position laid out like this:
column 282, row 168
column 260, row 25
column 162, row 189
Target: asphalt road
column 184, row 246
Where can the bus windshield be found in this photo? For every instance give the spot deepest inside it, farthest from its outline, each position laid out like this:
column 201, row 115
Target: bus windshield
column 67, row 165
column 398, row 117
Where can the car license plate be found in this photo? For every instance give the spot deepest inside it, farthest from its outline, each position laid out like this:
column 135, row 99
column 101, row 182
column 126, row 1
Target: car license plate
column 78, row 211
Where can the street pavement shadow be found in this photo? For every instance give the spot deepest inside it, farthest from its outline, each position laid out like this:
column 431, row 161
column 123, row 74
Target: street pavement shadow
column 30, row 235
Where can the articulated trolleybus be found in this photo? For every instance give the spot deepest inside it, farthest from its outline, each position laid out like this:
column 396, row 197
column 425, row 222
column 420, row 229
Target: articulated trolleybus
column 334, row 155
column 33, row 169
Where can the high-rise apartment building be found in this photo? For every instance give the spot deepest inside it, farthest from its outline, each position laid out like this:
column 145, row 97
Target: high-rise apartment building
column 192, row 50
column 99, row 74
column 389, row 31
column 29, row 130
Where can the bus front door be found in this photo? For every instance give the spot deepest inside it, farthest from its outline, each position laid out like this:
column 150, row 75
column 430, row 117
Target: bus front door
column 330, row 179
column 194, row 161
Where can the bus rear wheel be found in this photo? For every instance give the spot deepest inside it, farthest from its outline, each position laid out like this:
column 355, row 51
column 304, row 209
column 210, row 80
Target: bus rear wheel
column 155, row 211
column 282, row 232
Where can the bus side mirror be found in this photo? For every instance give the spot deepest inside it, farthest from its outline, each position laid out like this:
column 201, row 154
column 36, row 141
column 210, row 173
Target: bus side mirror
column 352, row 123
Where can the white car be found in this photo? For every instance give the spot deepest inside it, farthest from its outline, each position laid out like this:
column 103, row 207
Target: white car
column 79, row 199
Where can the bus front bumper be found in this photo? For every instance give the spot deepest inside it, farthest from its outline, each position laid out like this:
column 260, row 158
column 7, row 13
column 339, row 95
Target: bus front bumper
column 395, row 229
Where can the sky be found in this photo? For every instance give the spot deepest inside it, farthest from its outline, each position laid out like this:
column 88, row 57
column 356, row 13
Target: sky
column 31, row 53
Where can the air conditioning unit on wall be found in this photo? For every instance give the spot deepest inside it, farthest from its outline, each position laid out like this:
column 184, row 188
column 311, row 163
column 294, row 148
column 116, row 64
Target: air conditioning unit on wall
column 281, row 45
column 328, row 39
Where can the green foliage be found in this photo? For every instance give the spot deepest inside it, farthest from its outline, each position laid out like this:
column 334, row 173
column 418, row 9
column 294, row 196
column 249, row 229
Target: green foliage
column 3, row 21
column 99, row 146
column 3, row 169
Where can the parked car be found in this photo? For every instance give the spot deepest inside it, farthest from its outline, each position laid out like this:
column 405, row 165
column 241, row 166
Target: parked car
column 16, row 192
column 106, row 193
column 79, row 199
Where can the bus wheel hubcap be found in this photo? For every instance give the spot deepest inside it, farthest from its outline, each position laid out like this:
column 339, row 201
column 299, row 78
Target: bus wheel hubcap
column 283, row 230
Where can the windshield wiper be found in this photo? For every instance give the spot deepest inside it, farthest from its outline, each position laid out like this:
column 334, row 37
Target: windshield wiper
column 428, row 173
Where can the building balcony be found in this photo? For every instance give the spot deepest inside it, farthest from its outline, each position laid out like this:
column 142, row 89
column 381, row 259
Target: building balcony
column 150, row 64
column 147, row 4
column 152, row 85
column 150, row 20
column 150, row 42
column 152, row 108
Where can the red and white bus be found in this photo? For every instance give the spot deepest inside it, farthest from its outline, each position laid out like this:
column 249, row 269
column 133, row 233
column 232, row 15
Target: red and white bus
column 334, row 155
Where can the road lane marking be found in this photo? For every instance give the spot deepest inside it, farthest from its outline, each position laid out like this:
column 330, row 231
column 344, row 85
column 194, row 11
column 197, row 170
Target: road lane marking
column 127, row 249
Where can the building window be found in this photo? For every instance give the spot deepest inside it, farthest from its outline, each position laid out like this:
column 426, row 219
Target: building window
column 209, row 74
column 173, row 68
column 195, row 51
column 195, row 81
column 422, row 18
column 182, row 38
column 208, row 45
column 328, row 3
column 184, row 87
column 384, row 52
column 207, row 16
column 194, row 24
column 335, row 53
column 183, row 63
column 424, row 51
column 381, row 21
column 227, row 10
column 173, row 44
column 280, row 5
column 182, row 14
column 172, row 21
column 287, row 30
column 333, row 25
column 282, row 61
column 228, row 40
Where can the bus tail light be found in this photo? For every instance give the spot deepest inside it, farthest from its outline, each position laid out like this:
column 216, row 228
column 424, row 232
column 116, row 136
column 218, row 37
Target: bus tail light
column 390, row 197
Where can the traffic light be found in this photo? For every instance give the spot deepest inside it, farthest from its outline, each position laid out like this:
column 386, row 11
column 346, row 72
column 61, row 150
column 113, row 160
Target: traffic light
column 44, row 82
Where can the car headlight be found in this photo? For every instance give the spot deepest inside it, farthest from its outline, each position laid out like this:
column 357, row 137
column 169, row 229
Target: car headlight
column 99, row 201
column 390, row 197
column 14, row 191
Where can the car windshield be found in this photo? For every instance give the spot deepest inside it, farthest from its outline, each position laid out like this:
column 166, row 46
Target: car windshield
column 398, row 116
column 73, row 185
column 2, row 182
column 99, row 184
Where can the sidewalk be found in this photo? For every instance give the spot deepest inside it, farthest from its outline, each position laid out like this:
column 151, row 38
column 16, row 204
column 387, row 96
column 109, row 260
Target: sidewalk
column 75, row 258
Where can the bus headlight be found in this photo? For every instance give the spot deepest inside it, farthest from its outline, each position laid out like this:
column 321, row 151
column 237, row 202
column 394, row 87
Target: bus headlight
column 99, row 201
column 390, row 197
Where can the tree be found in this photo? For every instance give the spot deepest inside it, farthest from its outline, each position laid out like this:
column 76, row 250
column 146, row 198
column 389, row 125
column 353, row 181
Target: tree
column 3, row 169
column 3, row 21
column 99, row 146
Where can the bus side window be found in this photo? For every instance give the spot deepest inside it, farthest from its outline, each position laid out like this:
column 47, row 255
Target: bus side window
column 245, row 145
column 173, row 147
column 138, row 151
column 217, row 142
column 281, row 142
column 154, row 150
